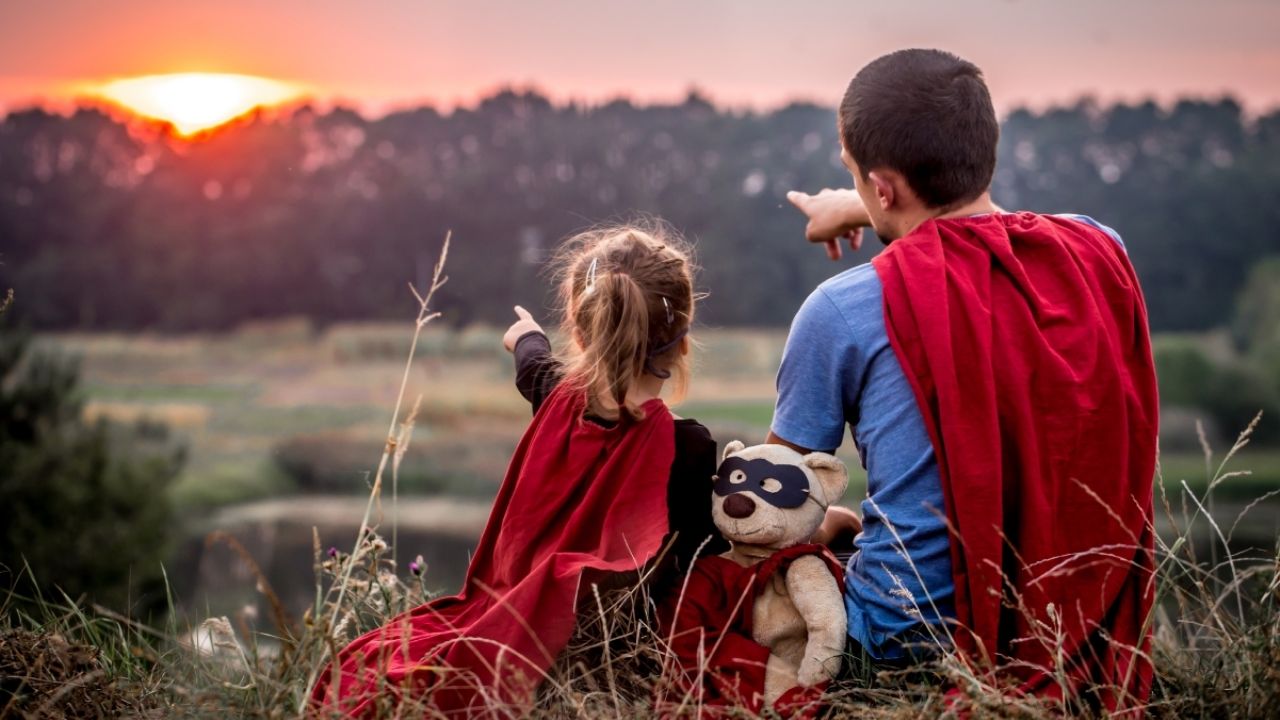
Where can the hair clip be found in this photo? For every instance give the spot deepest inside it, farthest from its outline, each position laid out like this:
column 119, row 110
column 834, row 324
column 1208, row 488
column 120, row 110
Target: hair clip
column 591, row 277
column 670, row 316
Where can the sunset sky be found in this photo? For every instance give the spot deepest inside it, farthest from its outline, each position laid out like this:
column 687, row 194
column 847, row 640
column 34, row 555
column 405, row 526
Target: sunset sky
column 380, row 54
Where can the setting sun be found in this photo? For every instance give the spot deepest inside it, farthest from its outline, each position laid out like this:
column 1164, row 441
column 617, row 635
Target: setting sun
column 196, row 101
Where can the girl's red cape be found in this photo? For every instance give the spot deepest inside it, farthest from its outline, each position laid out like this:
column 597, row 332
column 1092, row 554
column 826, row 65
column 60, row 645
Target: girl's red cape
column 577, row 497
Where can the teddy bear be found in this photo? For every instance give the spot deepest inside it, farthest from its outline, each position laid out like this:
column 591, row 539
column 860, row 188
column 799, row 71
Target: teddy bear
column 764, row 623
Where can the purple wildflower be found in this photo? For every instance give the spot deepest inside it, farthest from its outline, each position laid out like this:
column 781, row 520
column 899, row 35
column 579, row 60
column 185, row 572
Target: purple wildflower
column 333, row 552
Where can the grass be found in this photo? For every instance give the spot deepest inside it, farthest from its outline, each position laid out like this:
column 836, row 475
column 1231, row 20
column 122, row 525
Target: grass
column 751, row 413
column 235, row 398
column 1263, row 473
column 285, row 421
column 230, row 480
column 1216, row 626
column 1216, row 649
column 142, row 392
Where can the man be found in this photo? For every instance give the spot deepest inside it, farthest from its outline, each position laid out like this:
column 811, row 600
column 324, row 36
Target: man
column 996, row 372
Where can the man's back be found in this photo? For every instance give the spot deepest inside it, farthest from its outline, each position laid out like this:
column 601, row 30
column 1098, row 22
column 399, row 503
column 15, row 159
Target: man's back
column 1024, row 338
column 839, row 368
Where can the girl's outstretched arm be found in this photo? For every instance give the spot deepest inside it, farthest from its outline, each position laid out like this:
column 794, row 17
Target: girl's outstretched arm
column 537, row 372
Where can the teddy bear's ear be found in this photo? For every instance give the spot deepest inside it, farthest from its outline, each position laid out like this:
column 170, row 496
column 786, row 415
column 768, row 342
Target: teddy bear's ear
column 733, row 447
column 833, row 476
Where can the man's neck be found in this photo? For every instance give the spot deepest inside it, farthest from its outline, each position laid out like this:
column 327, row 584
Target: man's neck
column 980, row 205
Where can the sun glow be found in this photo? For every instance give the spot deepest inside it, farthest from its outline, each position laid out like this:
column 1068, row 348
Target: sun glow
column 196, row 101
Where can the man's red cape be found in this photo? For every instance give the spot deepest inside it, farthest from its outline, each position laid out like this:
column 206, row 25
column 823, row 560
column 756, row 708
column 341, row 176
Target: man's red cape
column 577, row 497
column 721, row 667
column 1025, row 340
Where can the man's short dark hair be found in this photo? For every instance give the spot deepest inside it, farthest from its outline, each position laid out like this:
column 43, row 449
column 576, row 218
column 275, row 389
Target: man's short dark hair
column 928, row 115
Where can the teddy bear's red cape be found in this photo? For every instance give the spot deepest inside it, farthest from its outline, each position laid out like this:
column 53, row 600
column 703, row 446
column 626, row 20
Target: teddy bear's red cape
column 1025, row 340
column 720, row 668
column 577, row 497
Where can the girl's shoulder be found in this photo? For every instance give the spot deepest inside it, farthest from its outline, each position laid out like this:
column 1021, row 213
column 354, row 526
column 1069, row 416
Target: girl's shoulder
column 693, row 436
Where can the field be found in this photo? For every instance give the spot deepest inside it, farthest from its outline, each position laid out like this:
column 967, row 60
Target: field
column 284, row 425
column 281, row 407
column 255, row 404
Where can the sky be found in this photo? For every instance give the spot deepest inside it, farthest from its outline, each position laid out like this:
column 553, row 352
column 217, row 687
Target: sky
column 382, row 54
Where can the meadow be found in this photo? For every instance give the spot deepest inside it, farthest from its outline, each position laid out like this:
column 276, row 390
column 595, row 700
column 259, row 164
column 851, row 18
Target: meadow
column 253, row 405
column 282, row 407
column 282, row 424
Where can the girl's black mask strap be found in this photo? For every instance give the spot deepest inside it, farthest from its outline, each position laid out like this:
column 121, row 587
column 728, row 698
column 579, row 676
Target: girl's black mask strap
column 656, row 352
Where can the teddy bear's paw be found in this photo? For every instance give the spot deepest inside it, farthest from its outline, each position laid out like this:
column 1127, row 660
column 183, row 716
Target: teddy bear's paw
column 813, row 672
column 779, row 676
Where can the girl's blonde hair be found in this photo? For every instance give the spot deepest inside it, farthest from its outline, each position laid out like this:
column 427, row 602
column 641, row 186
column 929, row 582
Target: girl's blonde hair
column 627, row 298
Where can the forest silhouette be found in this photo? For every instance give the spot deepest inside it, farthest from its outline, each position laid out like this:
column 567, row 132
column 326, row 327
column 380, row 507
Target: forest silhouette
column 109, row 222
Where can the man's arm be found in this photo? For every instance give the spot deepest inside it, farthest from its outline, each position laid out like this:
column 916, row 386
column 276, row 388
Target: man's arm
column 773, row 439
column 840, row 525
column 814, row 379
column 833, row 215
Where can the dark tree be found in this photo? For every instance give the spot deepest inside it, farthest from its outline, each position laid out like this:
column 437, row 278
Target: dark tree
column 113, row 225
column 86, row 506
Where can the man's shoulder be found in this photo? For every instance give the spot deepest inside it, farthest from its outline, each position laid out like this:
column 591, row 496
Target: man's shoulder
column 852, row 300
column 1086, row 220
column 855, row 286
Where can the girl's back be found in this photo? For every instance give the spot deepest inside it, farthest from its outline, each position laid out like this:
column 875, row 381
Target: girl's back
column 603, row 475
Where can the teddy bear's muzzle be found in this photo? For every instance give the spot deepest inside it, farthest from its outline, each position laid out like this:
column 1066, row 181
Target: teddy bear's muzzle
column 738, row 506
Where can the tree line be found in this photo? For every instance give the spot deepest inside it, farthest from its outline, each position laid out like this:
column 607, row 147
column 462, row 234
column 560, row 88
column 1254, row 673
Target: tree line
column 108, row 222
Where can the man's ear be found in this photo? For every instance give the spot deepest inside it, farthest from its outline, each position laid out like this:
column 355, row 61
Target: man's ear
column 833, row 476
column 733, row 447
column 886, row 193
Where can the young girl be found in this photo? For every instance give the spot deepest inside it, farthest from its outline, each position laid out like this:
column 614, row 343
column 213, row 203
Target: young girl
column 603, row 476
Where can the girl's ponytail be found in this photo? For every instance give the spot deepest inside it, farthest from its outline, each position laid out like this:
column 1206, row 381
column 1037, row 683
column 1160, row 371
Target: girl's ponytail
column 628, row 300
column 616, row 318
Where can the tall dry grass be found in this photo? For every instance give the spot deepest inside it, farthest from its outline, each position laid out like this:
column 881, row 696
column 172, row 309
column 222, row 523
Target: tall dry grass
column 1216, row 630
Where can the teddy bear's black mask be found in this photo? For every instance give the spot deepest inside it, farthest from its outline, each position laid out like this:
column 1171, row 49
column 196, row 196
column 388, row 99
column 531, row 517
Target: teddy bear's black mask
column 792, row 494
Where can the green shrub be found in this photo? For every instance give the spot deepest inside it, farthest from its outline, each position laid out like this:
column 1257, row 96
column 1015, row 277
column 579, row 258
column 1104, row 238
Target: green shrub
column 86, row 505
column 1181, row 369
column 1233, row 395
column 1256, row 326
column 1229, row 392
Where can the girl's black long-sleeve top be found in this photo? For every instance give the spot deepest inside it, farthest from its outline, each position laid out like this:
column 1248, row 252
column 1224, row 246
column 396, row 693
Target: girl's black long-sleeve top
column 689, row 484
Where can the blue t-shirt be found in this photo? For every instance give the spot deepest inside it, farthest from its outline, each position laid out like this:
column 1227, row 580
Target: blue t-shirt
column 838, row 369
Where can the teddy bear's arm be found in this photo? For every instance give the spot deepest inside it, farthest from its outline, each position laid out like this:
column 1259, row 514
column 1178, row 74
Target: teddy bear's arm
column 817, row 597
